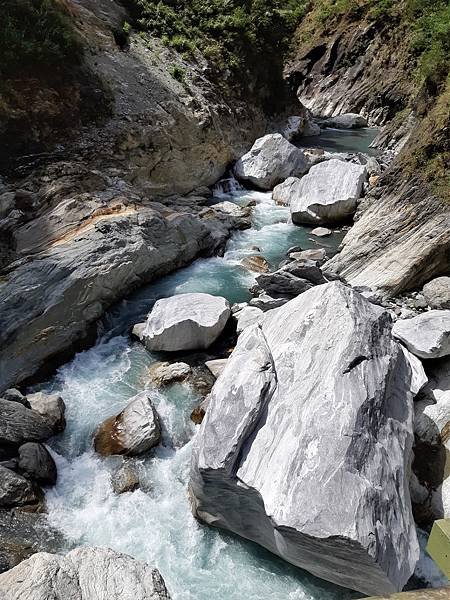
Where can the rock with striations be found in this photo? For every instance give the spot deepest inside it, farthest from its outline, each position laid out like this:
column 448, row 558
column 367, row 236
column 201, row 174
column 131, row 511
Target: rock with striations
column 86, row 573
column 427, row 335
column 328, row 193
column 15, row 490
column 184, row 322
column 36, row 463
column 248, row 316
column 51, row 407
column 284, row 192
column 437, row 293
column 132, row 432
column 271, row 160
column 19, row 424
column 306, row 444
column 346, row 121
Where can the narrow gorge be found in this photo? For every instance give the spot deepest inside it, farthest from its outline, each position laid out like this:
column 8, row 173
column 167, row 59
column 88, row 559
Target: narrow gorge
column 224, row 299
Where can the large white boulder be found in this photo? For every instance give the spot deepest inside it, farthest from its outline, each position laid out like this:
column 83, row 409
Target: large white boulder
column 132, row 432
column 427, row 335
column 327, row 194
column 306, row 444
column 271, row 160
column 86, row 573
column 184, row 322
column 347, row 121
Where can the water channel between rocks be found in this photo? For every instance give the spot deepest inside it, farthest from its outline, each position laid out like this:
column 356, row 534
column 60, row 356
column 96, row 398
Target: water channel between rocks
column 154, row 523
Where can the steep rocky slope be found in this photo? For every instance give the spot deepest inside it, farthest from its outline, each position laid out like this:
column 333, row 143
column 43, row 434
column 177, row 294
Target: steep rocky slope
column 361, row 57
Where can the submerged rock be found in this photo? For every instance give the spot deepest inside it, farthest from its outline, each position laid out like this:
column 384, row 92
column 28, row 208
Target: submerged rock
column 86, row 573
column 132, row 432
column 184, row 322
column 427, row 335
column 328, row 193
column 271, row 160
column 306, row 443
column 437, row 293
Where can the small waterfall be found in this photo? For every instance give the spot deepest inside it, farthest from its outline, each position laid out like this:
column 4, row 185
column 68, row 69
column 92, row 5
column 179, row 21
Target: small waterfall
column 226, row 186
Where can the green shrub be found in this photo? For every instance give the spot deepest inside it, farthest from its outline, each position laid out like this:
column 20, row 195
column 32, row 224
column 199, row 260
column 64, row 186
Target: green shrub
column 36, row 33
column 177, row 73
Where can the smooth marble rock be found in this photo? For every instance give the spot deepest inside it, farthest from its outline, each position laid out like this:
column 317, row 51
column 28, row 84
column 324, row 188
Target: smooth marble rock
column 346, row 121
column 427, row 335
column 437, row 293
column 248, row 316
column 19, row 424
column 184, row 322
column 328, row 193
column 306, row 444
column 132, row 432
column 270, row 160
column 216, row 366
column 86, row 573
column 321, row 232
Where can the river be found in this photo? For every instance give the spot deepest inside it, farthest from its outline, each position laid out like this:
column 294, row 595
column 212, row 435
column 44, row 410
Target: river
column 154, row 523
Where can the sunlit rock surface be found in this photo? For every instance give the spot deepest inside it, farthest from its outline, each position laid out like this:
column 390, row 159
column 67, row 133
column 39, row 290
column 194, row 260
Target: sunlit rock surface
column 86, row 573
column 306, row 444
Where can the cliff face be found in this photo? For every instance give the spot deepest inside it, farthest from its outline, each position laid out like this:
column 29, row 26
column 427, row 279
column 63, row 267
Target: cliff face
column 127, row 106
column 361, row 61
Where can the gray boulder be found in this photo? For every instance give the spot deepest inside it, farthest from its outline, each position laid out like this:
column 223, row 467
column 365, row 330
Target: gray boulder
column 184, row 322
column 328, row 193
column 51, row 407
column 15, row 490
column 346, row 121
column 271, row 160
column 266, row 302
column 306, row 444
column 132, row 432
column 427, row 335
column 19, row 424
column 164, row 373
column 86, row 573
column 284, row 192
column 125, row 479
column 13, row 395
column 437, row 293
column 36, row 463
column 292, row 279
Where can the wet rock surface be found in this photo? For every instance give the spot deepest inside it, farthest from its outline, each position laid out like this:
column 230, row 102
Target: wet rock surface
column 242, row 459
column 132, row 432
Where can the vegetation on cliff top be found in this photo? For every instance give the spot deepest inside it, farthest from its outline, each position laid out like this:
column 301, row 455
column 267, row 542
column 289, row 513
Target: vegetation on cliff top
column 244, row 41
column 36, row 34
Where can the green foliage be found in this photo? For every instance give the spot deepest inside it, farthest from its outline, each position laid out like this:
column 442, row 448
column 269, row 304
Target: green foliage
column 177, row 73
column 126, row 28
column 243, row 40
column 35, row 33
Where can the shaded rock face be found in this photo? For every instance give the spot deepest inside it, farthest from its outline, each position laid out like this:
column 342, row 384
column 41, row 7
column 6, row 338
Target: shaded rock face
column 427, row 335
column 271, row 160
column 184, row 322
column 15, row 490
column 86, row 573
column 398, row 243
column 328, row 193
column 36, row 463
column 292, row 279
column 315, row 405
column 19, row 424
column 132, row 432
